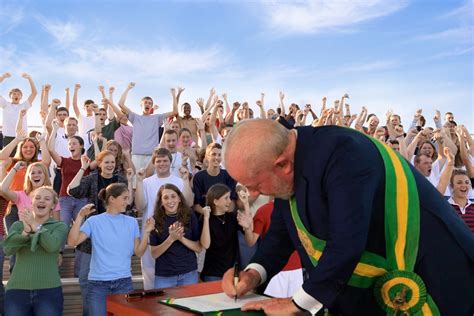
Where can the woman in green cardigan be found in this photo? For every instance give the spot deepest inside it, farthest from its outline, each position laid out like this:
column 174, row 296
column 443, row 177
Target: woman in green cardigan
column 34, row 287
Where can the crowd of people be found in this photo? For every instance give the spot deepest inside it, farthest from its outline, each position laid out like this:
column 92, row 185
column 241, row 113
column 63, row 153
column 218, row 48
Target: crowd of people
column 85, row 178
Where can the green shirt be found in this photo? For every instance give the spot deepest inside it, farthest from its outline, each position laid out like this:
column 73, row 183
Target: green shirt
column 36, row 264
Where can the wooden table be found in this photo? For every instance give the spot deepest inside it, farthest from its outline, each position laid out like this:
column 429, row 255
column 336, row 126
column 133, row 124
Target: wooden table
column 118, row 304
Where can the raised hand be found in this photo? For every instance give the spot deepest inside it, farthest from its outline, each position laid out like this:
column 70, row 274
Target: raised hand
column 19, row 165
column 131, row 85
column 111, row 89
column 129, row 174
column 149, row 225
column 200, row 102
column 281, row 95
column 85, row 162
column 180, row 90
column 399, row 131
column 449, row 155
column 212, row 91
column 243, row 194
column 6, row 75
column 345, row 96
column 206, row 212
column 141, row 174
column 418, row 114
column 40, row 137
column 77, row 86
column 244, row 220
column 26, row 76
column 235, row 106
column 55, row 103
column 47, row 87
column 200, row 124
column 20, row 135
column 23, row 112
column 224, row 96
column 101, row 89
column 184, row 173
column 437, row 116
column 87, row 210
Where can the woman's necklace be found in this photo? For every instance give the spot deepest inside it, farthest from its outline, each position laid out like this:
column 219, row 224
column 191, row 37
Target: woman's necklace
column 222, row 220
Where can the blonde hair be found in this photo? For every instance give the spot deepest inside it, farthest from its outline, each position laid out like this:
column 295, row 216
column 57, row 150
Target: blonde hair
column 28, row 185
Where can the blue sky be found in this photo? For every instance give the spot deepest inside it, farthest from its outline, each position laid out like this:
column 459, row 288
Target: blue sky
column 401, row 55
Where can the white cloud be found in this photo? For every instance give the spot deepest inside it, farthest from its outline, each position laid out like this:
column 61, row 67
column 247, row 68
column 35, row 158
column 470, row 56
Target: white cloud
column 462, row 13
column 458, row 34
column 374, row 66
column 10, row 17
column 311, row 16
column 453, row 53
column 64, row 33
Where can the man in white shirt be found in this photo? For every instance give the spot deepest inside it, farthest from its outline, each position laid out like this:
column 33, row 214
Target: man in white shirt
column 85, row 122
column 12, row 109
column 170, row 139
column 145, row 198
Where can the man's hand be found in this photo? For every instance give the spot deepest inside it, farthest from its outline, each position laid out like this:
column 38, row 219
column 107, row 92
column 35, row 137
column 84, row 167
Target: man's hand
column 77, row 86
column 141, row 174
column 26, row 76
column 276, row 306
column 248, row 280
column 5, row 76
column 131, row 85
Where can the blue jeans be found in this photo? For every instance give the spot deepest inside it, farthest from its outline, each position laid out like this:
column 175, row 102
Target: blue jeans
column 85, row 259
column 70, row 207
column 162, row 282
column 210, row 278
column 98, row 291
column 42, row 302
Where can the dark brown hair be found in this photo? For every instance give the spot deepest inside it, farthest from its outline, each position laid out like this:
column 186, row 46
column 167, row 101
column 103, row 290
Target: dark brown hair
column 112, row 190
column 183, row 212
column 215, row 192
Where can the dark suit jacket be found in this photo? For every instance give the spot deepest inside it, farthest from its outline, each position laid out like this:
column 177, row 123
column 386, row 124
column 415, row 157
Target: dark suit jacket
column 339, row 184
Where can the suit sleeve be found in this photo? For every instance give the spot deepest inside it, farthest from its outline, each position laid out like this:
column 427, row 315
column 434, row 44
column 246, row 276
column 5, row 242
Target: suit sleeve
column 350, row 183
column 276, row 247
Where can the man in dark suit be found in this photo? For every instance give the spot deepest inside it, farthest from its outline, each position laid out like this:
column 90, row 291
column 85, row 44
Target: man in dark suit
column 338, row 179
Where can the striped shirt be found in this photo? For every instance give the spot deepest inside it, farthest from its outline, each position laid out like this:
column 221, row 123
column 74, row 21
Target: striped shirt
column 466, row 212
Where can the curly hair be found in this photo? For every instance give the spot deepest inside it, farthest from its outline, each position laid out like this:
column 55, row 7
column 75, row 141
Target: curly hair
column 183, row 212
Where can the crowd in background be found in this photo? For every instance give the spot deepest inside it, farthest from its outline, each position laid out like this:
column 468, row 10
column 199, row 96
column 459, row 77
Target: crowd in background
column 85, row 178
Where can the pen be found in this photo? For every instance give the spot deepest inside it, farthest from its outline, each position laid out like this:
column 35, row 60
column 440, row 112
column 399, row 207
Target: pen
column 236, row 279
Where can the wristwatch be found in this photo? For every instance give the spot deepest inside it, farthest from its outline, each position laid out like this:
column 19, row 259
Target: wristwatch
column 38, row 227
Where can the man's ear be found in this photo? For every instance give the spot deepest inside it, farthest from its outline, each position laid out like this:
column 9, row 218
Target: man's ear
column 283, row 165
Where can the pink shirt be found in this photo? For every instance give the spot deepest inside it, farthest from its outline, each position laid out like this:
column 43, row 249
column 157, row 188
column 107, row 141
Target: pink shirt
column 123, row 136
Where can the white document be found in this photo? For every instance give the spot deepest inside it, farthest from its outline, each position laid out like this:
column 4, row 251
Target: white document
column 216, row 302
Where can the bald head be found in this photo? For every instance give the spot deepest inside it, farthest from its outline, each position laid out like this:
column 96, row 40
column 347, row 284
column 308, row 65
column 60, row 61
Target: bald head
column 255, row 143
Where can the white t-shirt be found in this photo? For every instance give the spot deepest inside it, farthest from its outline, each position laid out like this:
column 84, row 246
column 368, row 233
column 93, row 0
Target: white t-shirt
column 151, row 185
column 10, row 116
column 176, row 161
column 85, row 124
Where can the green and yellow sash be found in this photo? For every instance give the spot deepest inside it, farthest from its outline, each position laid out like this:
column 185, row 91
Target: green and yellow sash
column 398, row 290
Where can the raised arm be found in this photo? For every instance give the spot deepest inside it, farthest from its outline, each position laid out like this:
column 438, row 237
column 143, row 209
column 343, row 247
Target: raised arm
column 187, row 190
column 19, row 121
column 77, row 111
column 200, row 103
column 141, row 245
column 76, row 237
column 447, row 172
column 229, row 120
column 174, row 96
column 6, row 183
column 34, row 92
column 51, row 142
column 212, row 92
column 76, row 181
column 227, row 106
column 44, row 100
column 68, row 101
column 8, row 149
column 260, row 104
column 205, row 239
column 140, row 201
column 51, row 114
column 110, row 109
column 45, row 156
column 123, row 98
column 282, row 105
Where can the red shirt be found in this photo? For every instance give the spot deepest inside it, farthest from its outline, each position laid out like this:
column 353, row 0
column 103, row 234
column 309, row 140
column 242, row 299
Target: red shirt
column 261, row 224
column 69, row 169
